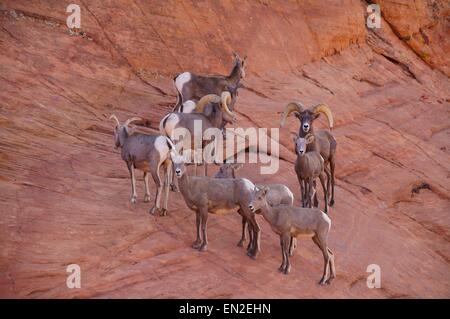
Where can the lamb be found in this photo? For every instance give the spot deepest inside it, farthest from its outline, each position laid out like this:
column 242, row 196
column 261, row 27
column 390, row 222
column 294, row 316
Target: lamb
column 216, row 196
column 291, row 221
column 309, row 166
column 324, row 142
column 279, row 194
column 148, row 153
column 192, row 87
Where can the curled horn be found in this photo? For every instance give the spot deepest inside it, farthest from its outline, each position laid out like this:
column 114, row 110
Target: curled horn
column 132, row 120
column 324, row 109
column 291, row 107
column 205, row 100
column 226, row 100
column 114, row 117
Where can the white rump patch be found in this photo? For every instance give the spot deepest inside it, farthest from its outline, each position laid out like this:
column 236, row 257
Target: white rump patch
column 189, row 106
column 161, row 146
column 181, row 80
column 171, row 123
column 249, row 185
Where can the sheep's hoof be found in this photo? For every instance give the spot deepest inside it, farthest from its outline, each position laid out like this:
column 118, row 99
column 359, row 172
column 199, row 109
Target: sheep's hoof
column 203, row 247
column 322, row 282
column 163, row 212
column 196, row 244
column 281, row 268
column 287, row 270
column 328, row 282
column 146, row 198
column 332, row 202
column 252, row 255
column 154, row 210
column 241, row 243
column 133, row 200
column 174, row 188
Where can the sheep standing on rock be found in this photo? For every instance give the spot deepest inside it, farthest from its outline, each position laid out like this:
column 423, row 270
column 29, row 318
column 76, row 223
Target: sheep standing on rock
column 192, row 87
column 291, row 221
column 219, row 196
column 193, row 126
column 278, row 194
column 309, row 166
column 324, row 141
column 148, row 153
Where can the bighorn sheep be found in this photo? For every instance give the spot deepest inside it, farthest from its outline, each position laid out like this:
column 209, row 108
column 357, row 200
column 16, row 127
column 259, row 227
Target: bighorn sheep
column 190, row 122
column 216, row 196
column 291, row 221
column 324, row 143
column 309, row 166
column 193, row 87
column 147, row 153
column 278, row 194
column 190, row 105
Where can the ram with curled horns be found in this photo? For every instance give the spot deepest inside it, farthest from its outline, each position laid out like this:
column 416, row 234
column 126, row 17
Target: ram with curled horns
column 209, row 113
column 324, row 141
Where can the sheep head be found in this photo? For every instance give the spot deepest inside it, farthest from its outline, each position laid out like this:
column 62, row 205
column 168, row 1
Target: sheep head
column 302, row 142
column 122, row 131
column 305, row 115
column 259, row 199
column 241, row 64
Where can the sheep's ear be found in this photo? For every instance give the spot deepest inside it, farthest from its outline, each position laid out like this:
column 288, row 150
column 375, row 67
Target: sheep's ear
column 294, row 137
column 316, row 115
column 310, row 138
column 264, row 190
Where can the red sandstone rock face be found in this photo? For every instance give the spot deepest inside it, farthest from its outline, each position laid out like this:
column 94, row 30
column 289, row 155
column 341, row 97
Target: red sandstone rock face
column 422, row 25
column 64, row 190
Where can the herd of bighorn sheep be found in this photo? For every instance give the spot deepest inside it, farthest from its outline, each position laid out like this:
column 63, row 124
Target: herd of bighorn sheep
column 211, row 101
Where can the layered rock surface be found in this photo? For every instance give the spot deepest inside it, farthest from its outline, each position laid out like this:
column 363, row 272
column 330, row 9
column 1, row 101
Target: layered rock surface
column 64, row 191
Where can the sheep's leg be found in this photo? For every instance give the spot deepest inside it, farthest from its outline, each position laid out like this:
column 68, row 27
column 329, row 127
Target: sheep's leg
column 307, row 201
column 292, row 246
column 316, row 201
column 243, row 236
column 255, row 249
column 283, row 256
column 327, row 172
column 166, row 189
column 157, row 180
column 251, row 241
column 174, row 183
column 332, row 267
column 332, row 166
column 302, row 191
column 311, row 192
column 133, row 182
column 322, row 181
column 321, row 243
column 286, row 239
column 197, row 243
column 204, row 223
column 147, row 191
